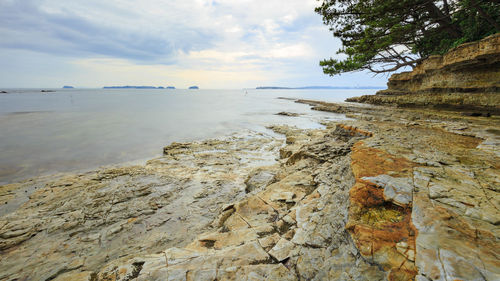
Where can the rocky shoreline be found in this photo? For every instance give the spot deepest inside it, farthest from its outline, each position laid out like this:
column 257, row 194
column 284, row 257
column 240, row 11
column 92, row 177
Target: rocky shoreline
column 73, row 223
column 389, row 194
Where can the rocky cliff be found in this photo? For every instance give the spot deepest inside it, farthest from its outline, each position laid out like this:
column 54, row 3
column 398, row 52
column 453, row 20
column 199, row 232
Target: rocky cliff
column 467, row 77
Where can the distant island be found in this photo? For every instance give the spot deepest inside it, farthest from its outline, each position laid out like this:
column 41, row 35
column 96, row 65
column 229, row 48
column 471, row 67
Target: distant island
column 143, row 87
column 194, row 88
column 131, row 87
column 317, row 88
column 68, row 87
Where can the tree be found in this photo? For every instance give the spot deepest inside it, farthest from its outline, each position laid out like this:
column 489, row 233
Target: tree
column 386, row 35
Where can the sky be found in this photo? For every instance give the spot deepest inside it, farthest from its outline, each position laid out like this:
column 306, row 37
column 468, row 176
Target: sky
column 217, row 44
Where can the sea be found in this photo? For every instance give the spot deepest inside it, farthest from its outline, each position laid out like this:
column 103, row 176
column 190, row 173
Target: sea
column 74, row 130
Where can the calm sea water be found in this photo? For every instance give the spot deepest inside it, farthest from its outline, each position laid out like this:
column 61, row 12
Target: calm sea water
column 79, row 129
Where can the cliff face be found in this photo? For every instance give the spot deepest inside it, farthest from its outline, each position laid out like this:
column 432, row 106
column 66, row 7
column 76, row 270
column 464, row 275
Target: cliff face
column 467, row 77
column 388, row 194
column 469, row 68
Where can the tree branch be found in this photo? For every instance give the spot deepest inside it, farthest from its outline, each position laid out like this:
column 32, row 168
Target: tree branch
column 487, row 17
column 395, row 67
column 442, row 19
column 446, row 7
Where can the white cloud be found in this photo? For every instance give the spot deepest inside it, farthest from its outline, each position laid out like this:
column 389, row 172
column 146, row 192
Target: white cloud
column 300, row 50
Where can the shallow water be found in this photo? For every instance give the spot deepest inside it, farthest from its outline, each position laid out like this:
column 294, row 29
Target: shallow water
column 78, row 129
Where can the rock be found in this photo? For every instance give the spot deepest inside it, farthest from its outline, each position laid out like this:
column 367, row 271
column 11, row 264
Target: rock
column 289, row 114
column 120, row 211
column 257, row 272
column 379, row 197
column 269, row 241
column 254, row 233
column 260, row 178
column 477, row 114
column 217, row 240
column 282, row 249
column 373, row 199
column 226, row 213
column 460, row 79
column 442, row 251
column 397, row 190
column 74, row 275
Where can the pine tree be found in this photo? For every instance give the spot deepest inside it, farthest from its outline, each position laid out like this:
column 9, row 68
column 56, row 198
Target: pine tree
column 386, row 35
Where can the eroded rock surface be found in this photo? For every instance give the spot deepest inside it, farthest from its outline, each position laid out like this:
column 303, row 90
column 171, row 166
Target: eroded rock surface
column 426, row 200
column 293, row 229
column 466, row 78
column 77, row 223
column 389, row 194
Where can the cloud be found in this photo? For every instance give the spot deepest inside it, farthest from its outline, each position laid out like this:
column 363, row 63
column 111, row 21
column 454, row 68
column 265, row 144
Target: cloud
column 146, row 30
column 212, row 40
column 72, row 28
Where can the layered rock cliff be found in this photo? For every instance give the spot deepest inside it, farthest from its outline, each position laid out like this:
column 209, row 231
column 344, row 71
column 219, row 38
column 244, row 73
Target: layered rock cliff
column 466, row 78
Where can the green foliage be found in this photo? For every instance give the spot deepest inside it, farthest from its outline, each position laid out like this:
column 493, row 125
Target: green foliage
column 473, row 25
column 386, row 35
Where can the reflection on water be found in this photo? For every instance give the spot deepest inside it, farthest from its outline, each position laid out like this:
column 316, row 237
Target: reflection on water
column 76, row 129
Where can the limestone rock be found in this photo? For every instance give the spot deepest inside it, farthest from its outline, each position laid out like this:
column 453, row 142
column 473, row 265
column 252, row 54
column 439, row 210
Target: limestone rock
column 380, row 197
column 122, row 211
column 260, row 178
column 397, row 190
column 282, row 250
column 465, row 78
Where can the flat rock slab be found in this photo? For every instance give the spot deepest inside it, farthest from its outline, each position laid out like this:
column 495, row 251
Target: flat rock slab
column 397, row 190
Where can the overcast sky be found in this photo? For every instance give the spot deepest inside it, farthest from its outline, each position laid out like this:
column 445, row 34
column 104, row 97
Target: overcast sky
column 210, row 43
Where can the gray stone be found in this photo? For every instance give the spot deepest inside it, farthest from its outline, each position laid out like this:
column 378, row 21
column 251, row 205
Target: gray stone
column 397, row 190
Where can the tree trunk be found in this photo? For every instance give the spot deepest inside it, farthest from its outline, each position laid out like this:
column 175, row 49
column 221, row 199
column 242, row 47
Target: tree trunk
column 485, row 15
column 442, row 19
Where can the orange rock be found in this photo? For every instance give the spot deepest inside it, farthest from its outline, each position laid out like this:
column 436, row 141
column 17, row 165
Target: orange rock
column 369, row 162
column 376, row 225
column 355, row 130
